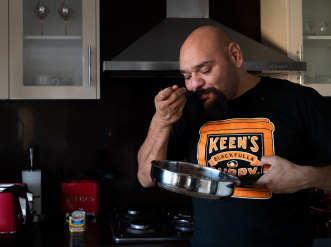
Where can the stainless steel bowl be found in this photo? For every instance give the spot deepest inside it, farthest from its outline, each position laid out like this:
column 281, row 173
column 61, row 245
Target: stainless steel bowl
column 193, row 180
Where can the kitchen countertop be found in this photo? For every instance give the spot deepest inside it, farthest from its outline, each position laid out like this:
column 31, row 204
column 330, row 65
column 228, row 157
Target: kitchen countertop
column 50, row 233
column 56, row 233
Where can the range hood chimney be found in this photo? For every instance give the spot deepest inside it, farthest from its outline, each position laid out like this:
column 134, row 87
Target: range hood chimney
column 158, row 49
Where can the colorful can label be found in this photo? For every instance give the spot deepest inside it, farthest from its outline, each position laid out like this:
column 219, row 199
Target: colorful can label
column 77, row 221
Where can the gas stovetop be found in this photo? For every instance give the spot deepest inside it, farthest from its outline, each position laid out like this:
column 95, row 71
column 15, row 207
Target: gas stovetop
column 147, row 224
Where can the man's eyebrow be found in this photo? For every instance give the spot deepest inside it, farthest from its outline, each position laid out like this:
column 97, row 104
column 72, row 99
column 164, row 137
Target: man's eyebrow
column 198, row 66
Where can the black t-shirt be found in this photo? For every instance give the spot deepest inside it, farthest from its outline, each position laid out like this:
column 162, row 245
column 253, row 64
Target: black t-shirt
column 276, row 117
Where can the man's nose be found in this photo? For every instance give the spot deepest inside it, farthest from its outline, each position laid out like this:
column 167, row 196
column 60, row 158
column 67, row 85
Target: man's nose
column 197, row 81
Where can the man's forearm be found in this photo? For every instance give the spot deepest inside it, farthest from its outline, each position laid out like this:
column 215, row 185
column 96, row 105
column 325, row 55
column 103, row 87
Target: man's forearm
column 153, row 148
column 169, row 105
column 319, row 177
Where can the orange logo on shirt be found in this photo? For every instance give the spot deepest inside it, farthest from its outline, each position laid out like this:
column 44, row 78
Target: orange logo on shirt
column 236, row 146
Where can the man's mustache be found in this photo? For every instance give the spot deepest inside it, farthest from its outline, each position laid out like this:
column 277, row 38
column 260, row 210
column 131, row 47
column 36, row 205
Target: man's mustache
column 199, row 92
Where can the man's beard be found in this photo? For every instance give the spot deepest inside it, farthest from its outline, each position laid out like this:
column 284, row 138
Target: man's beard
column 199, row 111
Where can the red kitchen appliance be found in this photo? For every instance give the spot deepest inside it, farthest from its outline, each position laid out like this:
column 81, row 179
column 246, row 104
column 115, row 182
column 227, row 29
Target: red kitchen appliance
column 15, row 210
column 321, row 213
column 328, row 199
column 82, row 194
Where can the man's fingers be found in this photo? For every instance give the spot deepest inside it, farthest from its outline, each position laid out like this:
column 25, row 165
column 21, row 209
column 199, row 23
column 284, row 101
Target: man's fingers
column 164, row 94
column 176, row 103
column 167, row 92
column 266, row 160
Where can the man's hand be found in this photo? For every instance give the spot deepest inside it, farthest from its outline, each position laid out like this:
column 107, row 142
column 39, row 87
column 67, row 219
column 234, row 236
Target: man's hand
column 283, row 176
column 169, row 104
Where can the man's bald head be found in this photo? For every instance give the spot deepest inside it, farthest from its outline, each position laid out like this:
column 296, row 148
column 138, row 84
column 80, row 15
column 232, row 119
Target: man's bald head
column 217, row 39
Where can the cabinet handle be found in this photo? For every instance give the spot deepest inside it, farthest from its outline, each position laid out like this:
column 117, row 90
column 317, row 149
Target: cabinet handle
column 300, row 53
column 300, row 59
column 90, row 80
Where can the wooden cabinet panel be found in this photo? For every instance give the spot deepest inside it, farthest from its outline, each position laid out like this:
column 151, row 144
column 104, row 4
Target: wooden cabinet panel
column 4, row 68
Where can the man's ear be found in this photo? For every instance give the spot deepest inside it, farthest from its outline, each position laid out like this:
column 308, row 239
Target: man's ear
column 235, row 54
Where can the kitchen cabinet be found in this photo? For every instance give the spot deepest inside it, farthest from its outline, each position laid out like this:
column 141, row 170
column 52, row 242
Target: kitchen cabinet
column 4, row 72
column 302, row 30
column 49, row 59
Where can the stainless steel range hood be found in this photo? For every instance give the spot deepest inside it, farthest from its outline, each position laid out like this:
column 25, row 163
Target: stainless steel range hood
column 158, row 49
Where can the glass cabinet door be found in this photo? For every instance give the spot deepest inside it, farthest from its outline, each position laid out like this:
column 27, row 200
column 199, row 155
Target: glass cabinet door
column 316, row 24
column 52, row 43
column 55, row 54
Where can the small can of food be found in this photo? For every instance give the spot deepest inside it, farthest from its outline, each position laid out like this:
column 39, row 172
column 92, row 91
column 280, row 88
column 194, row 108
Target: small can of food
column 77, row 221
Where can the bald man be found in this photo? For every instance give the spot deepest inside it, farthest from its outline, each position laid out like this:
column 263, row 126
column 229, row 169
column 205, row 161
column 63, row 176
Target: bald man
column 242, row 124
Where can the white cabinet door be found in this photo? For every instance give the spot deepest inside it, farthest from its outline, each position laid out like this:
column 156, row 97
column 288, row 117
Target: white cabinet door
column 281, row 29
column 50, row 59
column 4, row 69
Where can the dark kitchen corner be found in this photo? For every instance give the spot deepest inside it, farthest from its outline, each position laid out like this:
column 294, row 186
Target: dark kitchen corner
column 99, row 139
